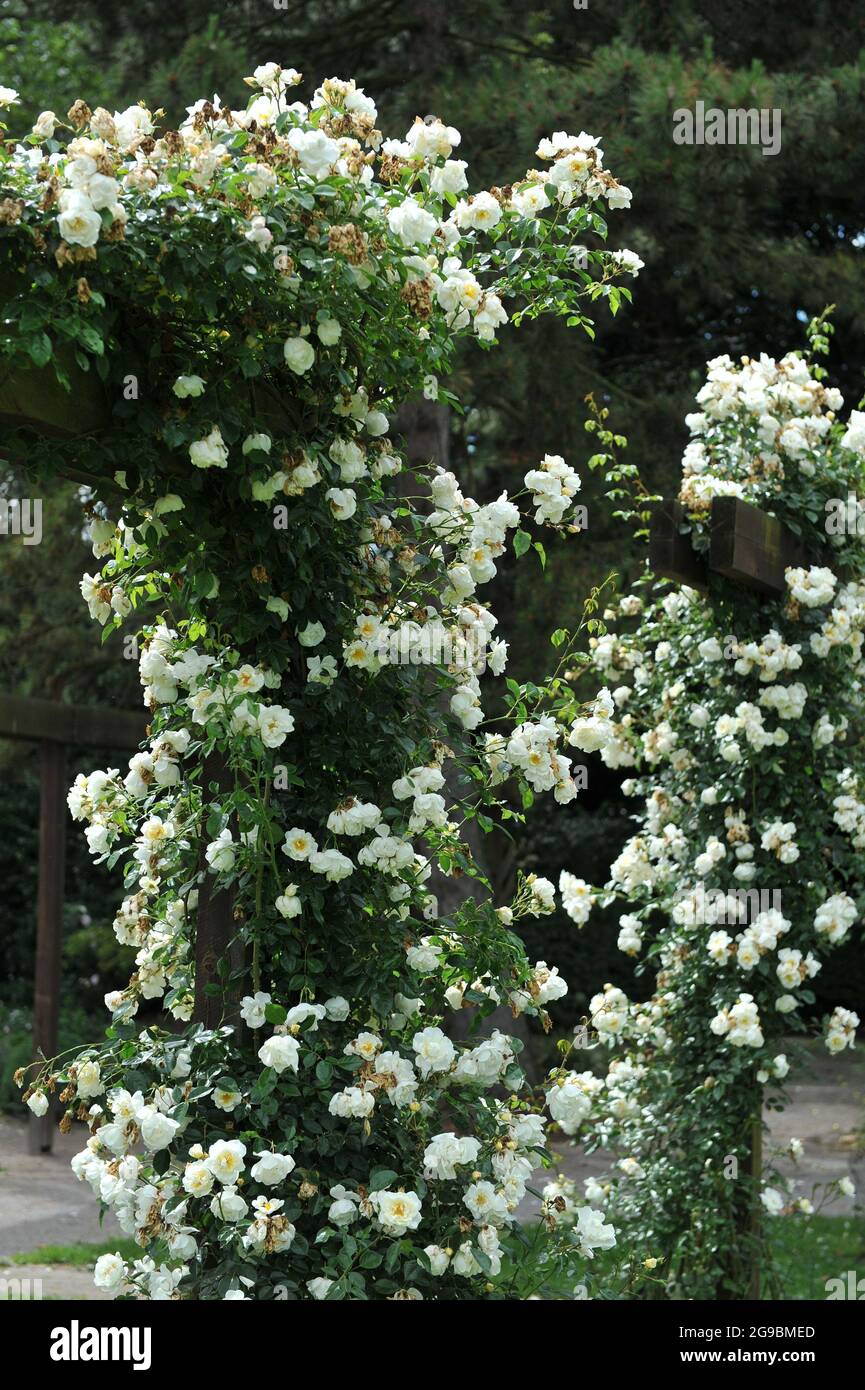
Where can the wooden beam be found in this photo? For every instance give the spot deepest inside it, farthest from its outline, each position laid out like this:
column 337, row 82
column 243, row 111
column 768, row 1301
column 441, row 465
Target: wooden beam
column 671, row 554
column 49, row 923
column 215, row 925
column 748, row 545
column 83, row 725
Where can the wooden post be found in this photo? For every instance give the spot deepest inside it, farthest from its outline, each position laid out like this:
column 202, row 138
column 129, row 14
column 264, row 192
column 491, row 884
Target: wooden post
column 215, row 925
column 756, row 1146
column 53, row 725
column 49, row 922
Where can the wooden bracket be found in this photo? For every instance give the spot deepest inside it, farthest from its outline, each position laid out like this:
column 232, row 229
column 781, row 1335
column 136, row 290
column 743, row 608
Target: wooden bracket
column 671, row 553
column 752, row 547
column 745, row 544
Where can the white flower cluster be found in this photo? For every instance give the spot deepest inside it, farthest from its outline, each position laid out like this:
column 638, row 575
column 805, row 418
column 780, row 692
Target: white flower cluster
column 740, row 1024
column 363, row 213
column 813, row 587
column 576, row 897
column 770, row 657
column 554, row 485
column 779, row 839
column 793, row 969
column 835, row 917
column 569, row 1098
column 594, row 731
column 533, row 750
column 849, row 809
column 609, row 1011
column 760, row 938
column 845, row 623
column 477, row 532
column 841, row 1029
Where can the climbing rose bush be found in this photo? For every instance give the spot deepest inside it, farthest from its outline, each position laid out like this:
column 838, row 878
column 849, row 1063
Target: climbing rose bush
column 736, row 717
column 255, row 293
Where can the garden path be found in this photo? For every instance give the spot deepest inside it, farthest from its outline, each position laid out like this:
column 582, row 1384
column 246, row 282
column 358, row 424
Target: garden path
column 826, row 1111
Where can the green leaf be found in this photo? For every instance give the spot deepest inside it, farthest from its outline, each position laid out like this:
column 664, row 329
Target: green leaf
column 39, row 348
column 380, row 1178
column 522, row 541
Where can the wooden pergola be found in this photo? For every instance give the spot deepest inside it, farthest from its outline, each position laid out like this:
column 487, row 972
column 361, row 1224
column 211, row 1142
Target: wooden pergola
column 746, row 545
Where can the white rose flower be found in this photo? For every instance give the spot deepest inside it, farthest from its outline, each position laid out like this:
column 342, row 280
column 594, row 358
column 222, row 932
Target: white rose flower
column 228, row 1205
column 88, row 1080
column 79, row 223
column 299, row 844
column 157, row 1130
column 439, row 1259
column 260, row 442
column 299, row 354
column 397, row 1212
column 252, row 1008
column 280, row 1052
column 434, row 1050
column 329, row 331
column 45, row 125
column 316, row 152
column 197, row 1179
column 271, row 1168
column 102, row 191
column 220, row 853
column 319, row 1287
column 288, row 904
column 449, row 177
column 311, row 635
column 411, row 223
column 210, row 452
column 343, row 502
column 109, row 1272
column 132, row 125
column 483, row 212
column 225, row 1160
